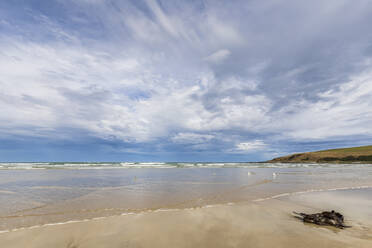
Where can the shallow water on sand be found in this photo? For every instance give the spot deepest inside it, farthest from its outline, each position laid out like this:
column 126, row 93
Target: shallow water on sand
column 35, row 197
column 266, row 223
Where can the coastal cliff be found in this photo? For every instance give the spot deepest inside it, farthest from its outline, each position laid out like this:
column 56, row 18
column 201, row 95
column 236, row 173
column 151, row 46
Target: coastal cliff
column 361, row 154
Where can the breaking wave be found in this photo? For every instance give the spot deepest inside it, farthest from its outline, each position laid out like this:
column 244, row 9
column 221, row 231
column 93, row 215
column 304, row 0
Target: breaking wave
column 128, row 165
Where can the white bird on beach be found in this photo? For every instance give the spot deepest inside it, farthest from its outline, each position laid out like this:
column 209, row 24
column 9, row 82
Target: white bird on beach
column 274, row 175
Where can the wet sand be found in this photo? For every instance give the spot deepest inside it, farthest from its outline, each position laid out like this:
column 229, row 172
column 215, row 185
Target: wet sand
column 266, row 223
column 36, row 197
column 198, row 207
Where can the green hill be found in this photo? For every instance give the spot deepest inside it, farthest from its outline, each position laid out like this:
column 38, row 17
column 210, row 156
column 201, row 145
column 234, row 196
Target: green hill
column 362, row 154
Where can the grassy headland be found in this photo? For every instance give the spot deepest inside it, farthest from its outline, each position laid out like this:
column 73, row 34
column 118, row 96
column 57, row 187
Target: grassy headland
column 362, row 154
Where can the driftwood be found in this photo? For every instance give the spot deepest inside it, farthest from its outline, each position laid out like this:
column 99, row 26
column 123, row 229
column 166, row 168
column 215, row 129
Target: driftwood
column 326, row 218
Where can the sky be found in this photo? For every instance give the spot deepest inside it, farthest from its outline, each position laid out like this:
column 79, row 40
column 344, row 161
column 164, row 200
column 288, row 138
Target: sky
column 183, row 80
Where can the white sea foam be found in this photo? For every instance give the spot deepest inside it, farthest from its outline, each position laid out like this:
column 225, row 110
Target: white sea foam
column 31, row 166
column 311, row 191
column 105, row 217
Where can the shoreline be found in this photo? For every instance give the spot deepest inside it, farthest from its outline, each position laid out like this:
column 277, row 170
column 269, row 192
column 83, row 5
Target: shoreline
column 200, row 207
column 267, row 223
column 140, row 212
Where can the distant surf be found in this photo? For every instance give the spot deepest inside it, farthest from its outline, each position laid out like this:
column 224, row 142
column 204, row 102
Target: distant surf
column 129, row 165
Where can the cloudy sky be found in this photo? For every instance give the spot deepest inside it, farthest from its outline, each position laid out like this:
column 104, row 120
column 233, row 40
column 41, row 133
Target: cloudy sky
column 183, row 80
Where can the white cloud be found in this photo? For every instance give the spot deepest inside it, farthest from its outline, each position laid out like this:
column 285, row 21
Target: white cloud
column 162, row 19
column 251, row 146
column 225, row 32
column 218, row 56
column 73, row 87
column 191, row 138
column 344, row 110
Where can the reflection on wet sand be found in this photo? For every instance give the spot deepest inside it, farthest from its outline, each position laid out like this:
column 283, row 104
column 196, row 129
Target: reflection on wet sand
column 209, row 207
column 264, row 224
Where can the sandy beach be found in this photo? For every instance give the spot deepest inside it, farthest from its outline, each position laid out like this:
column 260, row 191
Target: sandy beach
column 262, row 224
column 202, row 207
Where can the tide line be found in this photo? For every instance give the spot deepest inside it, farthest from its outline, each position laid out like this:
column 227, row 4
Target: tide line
column 310, row 191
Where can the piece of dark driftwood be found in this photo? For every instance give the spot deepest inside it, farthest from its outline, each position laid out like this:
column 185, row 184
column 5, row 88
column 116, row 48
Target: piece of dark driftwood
column 326, row 218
